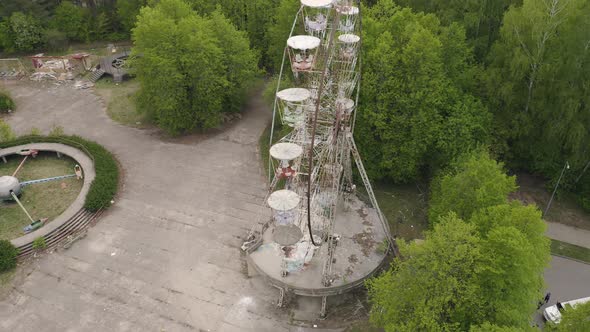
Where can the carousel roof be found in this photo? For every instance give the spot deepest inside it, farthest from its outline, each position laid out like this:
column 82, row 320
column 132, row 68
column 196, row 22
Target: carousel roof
column 294, row 95
column 316, row 3
column 349, row 38
column 303, row 42
column 283, row 200
column 286, row 151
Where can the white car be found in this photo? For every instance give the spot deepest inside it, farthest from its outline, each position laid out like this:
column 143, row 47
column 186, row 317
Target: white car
column 553, row 313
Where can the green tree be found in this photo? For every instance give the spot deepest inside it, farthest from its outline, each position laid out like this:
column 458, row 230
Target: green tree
column 511, row 278
column 278, row 31
column 6, row 37
column 486, row 273
column 480, row 18
column 27, row 32
column 251, row 16
column 127, row 12
column 72, row 20
column 40, row 9
column 416, row 114
column 239, row 60
column 504, row 278
column 436, row 288
column 573, row 320
column 475, row 181
column 8, row 254
column 185, row 66
column 538, row 83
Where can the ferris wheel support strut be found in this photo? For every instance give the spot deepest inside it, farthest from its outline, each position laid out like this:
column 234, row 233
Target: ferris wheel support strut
column 361, row 168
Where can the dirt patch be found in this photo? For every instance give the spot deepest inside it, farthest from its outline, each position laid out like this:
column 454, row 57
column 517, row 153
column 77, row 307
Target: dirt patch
column 564, row 208
column 366, row 241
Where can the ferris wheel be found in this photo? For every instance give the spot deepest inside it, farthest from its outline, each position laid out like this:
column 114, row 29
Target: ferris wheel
column 320, row 235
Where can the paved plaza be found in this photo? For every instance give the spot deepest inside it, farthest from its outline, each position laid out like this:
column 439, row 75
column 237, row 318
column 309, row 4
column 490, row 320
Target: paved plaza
column 166, row 256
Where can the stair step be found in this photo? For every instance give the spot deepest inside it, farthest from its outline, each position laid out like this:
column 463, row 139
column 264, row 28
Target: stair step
column 96, row 75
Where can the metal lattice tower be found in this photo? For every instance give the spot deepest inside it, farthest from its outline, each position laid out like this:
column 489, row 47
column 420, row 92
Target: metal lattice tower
column 300, row 246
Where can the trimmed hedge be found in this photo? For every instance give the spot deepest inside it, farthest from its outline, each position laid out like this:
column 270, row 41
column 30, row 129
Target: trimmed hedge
column 6, row 103
column 8, row 254
column 105, row 184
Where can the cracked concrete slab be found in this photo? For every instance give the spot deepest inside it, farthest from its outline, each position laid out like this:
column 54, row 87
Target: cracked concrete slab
column 166, row 256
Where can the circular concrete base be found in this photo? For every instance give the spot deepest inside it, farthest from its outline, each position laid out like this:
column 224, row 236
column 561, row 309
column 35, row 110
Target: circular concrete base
column 357, row 255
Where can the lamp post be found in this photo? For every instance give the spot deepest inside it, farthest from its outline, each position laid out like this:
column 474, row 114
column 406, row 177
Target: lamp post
column 566, row 166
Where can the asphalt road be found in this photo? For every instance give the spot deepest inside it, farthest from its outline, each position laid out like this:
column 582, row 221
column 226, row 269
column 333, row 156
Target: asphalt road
column 566, row 280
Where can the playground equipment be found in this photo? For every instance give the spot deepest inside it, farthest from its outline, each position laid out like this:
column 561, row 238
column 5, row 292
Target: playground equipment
column 318, row 238
column 11, row 188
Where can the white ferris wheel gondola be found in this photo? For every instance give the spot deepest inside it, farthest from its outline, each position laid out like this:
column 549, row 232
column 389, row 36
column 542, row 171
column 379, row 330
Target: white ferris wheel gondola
column 350, row 45
column 286, row 151
column 301, row 48
column 348, row 18
column 316, row 16
column 283, row 200
column 342, row 5
column 291, row 104
column 283, row 203
column 346, row 105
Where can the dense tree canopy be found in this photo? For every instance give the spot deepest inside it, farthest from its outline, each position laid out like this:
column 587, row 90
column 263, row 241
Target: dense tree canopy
column 481, row 18
column 539, row 88
column 251, row 16
column 192, row 68
column 482, row 272
column 436, row 289
column 416, row 112
column 21, row 32
column 71, row 19
column 475, row 181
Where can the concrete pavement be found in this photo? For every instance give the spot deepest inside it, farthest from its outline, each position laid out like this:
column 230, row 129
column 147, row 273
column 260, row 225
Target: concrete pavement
column 569, row 234
column 166, row 256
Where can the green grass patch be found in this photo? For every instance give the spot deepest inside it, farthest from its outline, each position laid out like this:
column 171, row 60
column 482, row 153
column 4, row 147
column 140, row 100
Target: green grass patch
column 43, row 200
column 121, row 102
column 405, row 208
column 105, row 184
column 6, row 277
column 6, row 103
column 570, row 250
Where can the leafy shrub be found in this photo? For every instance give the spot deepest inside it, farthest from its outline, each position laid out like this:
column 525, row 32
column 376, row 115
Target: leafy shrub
column 105, row 184
column 72, row 20
column 8, row 254
column 6, row 133
column 39, row 243
column 6, row 103
column 27, row 32
column 56, row 40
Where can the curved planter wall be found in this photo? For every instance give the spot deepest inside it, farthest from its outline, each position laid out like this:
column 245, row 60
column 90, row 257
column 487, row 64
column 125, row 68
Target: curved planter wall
column 89, row 174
